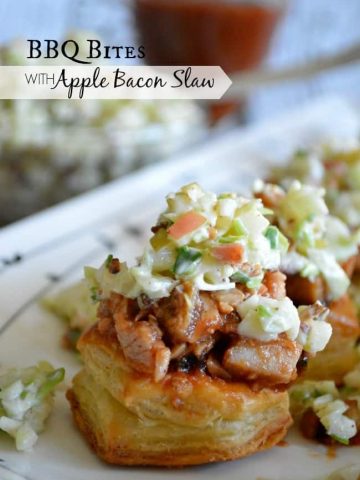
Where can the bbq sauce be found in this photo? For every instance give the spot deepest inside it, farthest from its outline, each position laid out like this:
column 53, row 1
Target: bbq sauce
column 234, row 35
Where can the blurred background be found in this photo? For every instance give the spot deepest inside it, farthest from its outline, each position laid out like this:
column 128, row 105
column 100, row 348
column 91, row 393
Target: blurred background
column 53, row 150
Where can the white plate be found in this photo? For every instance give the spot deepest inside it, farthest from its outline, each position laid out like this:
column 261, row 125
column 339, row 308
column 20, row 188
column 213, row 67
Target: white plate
column 42, row 254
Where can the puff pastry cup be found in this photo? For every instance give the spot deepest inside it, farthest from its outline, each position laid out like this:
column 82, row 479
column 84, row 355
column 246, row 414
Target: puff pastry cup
column 130, row 419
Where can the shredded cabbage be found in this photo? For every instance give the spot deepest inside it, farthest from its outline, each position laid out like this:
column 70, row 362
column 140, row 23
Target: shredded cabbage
column 334, row 167
column 337, row 280
column 318, row 241
column 26, row 399
column 326, row 401
column 341, row 242
column 301, row 214
column 331, row 415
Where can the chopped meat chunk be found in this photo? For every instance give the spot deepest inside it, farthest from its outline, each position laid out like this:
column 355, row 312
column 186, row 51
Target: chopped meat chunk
column 142, row 346
column 188, row 316
column 216, row 369
column 227, row 300
column 304, row 292
column 275, row 284
column 179, row 313
column 272, row 362
column 210, row 319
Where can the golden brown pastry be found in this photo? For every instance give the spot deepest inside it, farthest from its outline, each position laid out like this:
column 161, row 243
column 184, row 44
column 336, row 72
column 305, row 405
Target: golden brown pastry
column 185, row 419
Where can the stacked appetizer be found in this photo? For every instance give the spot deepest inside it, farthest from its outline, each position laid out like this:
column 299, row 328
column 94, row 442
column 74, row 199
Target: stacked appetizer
column 337, row 169
column 329, row 409
column 195, row 346
column 319, row 266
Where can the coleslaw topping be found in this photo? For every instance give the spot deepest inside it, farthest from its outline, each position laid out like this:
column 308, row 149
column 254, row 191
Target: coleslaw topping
column 333, row 166
column 318, row 240
column 202, row 237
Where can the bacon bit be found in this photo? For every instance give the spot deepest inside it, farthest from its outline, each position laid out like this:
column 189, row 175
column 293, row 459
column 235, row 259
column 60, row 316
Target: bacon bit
column 232, row 253
column 225, row 307
column 158, row 227
column 185, row 224
column 228, row 300
column 114, row 266
column 282, row 443
column 275, row 284
column 104, row 309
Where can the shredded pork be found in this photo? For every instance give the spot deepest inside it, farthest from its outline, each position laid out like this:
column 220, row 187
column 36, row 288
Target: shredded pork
column 192, row 329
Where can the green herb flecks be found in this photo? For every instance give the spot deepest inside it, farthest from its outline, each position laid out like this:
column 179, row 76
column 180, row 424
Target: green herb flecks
column 186, row 261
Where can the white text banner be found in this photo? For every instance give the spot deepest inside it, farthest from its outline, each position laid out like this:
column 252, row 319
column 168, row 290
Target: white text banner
column 113, row 82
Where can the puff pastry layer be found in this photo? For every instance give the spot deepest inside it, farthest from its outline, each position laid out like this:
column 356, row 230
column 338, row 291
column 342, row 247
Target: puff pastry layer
column 186, row 419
